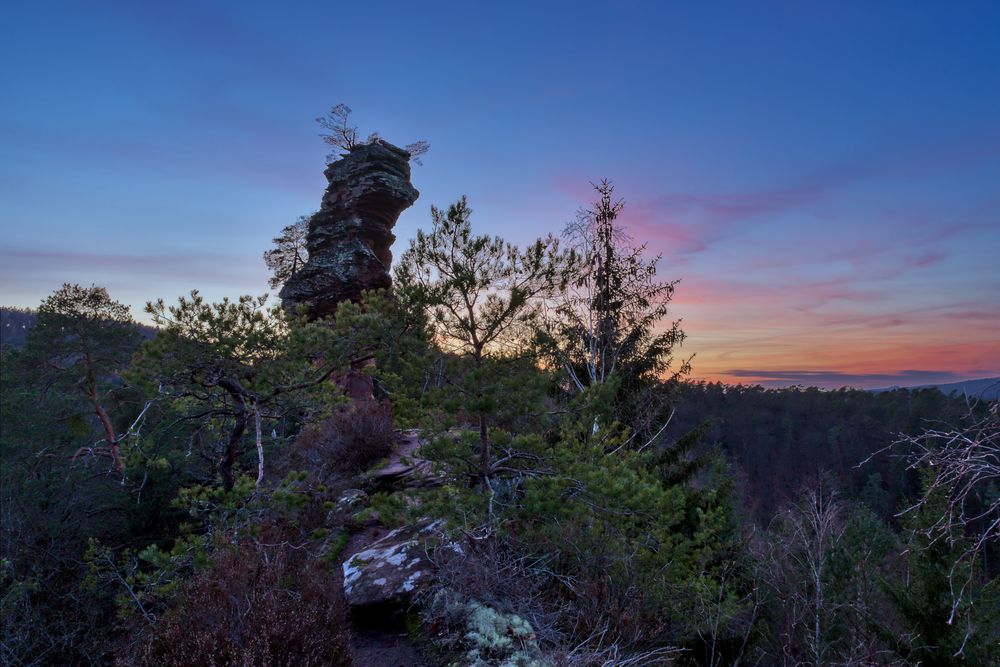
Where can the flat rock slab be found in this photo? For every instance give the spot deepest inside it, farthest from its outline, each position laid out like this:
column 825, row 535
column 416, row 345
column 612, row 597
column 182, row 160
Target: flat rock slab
column 405, row 468
column 390, row 570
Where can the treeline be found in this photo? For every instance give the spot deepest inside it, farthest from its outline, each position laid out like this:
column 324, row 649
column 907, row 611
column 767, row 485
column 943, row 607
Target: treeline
column 183, row 499
column 16, row 322
column 780, row 439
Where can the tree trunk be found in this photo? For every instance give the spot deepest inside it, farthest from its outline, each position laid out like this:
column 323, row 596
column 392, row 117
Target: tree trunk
column 484, row 432
column 484, row 452
column 227, row 463
column 109, row 429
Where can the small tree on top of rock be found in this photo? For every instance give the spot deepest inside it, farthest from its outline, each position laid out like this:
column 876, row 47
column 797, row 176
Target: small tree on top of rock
column 344, row 137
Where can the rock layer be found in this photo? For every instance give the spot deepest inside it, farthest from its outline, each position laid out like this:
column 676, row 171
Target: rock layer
column 350, row 238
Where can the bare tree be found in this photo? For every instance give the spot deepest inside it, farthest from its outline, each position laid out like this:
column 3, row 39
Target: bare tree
column 798, row 556
column 340, row 135
column 289, row 253
column 964, row 462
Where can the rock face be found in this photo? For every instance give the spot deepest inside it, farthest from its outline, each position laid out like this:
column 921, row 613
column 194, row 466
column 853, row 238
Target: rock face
column 389, row 571
column 350, row 238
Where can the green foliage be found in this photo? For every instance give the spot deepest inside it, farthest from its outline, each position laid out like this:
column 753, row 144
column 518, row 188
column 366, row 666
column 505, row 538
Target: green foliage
column 335, row 546
column 483, row 296
column 625, row 541
column 222, row 366
column 390, row 508
column 479, row 289
column 950, row 614
column 606, row 323
column 79, row 345
column 614, row 518
column 58, row 480
column 394, row 329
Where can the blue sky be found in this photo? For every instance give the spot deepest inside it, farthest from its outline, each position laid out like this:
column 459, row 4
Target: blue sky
column 823, row 177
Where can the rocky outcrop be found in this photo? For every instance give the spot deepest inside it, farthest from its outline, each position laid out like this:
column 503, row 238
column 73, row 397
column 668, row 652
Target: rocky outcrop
column 350, row 238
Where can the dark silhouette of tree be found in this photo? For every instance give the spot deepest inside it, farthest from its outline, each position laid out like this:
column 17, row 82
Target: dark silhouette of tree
column 606, row 324
column 289, row 253
column 344, row 137
column 82, row 338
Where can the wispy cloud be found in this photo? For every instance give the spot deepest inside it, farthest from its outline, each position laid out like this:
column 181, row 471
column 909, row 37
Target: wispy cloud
column 689, row 223
column 830, row 378
column 75, row 266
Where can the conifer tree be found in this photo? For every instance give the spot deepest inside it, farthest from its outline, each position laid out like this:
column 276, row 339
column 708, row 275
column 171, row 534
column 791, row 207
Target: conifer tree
column 483, row 295
column 226, row 366
column 82, row 340
column 950, row 613
column 606, row 324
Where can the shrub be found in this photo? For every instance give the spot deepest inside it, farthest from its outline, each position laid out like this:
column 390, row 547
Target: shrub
column 350, row 441
column 253, row 606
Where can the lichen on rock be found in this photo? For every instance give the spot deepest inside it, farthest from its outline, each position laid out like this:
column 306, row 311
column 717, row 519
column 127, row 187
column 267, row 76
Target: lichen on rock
column 389, row 571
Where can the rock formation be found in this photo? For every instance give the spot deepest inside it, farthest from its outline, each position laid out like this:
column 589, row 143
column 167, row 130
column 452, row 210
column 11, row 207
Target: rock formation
column 350, row 238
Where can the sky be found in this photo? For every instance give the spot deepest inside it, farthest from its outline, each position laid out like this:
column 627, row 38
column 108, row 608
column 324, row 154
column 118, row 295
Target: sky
column 823, row 178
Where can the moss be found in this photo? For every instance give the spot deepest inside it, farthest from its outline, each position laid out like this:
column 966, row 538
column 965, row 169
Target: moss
column 390, row 508
column 335, row 546
column 365, row 514
column 413, row 626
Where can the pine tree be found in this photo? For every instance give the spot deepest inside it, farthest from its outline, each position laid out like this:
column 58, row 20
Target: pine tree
column 483, row 296
column 81, row 341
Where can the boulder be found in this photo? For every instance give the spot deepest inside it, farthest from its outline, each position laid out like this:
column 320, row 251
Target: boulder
column 350, row 237
column 388, row 572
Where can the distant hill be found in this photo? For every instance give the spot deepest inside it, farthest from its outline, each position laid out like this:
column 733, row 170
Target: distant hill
column 986, row 388
column 15, row 323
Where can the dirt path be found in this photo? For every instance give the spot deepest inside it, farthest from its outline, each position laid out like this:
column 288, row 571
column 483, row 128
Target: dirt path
column 385, row 647
column 380, row 640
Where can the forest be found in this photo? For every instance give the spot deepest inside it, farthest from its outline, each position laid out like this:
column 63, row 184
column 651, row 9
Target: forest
column 214, row 489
